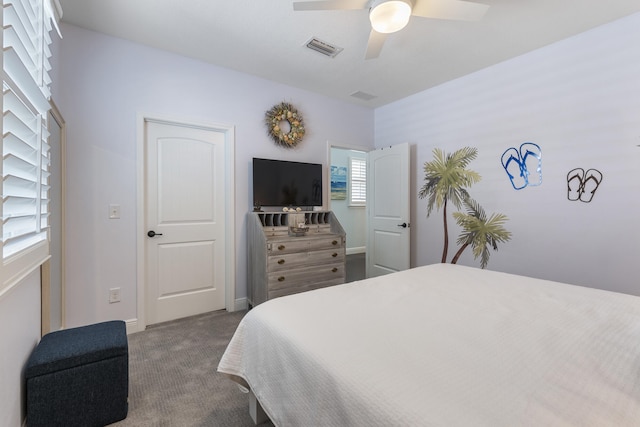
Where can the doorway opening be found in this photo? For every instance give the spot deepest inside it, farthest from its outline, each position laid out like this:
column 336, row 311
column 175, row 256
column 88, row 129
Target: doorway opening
column 348, row 202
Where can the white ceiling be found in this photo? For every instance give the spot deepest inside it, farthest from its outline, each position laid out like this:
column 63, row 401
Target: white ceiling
column 266, row 38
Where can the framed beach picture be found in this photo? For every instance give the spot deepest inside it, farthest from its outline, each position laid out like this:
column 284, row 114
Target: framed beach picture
column 338, row 183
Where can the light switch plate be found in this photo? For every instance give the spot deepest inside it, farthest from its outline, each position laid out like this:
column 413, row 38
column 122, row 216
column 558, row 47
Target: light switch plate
column 114, row 211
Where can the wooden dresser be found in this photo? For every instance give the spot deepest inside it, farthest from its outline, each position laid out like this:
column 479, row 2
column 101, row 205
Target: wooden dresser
column 284, row 260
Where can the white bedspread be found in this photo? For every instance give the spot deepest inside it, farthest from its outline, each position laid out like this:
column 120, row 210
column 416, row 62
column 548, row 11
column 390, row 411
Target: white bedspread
column 443, row 345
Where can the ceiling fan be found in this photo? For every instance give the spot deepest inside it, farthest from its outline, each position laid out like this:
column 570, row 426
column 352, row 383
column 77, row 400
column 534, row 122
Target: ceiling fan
column 389, row 16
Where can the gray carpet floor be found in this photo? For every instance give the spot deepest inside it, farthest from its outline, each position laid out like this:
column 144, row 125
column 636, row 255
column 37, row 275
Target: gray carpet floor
column 355, row 267
column 173, row 379
column 172, row 371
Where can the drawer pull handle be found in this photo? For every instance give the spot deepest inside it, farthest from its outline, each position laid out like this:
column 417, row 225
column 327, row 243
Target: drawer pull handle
column 334, row 254
column 280, row 261
column 281, row 279
column 281, row 248
column 335, row 242
column 334, row 269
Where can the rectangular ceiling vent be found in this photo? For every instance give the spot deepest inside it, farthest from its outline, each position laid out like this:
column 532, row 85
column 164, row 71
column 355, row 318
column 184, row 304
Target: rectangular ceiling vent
column 363, row 95
column 323, row 47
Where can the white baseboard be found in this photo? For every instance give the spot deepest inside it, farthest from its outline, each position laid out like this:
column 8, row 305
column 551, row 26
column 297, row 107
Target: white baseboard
column 131, row 325
column 241, row 304
column 356, row 250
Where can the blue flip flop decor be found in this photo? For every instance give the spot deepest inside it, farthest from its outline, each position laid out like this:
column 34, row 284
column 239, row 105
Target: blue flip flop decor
column 531, row 156
column 524, row 165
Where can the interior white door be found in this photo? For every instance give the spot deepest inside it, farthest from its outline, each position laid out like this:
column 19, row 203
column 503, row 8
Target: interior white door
column 185, row 218
column 388, row 241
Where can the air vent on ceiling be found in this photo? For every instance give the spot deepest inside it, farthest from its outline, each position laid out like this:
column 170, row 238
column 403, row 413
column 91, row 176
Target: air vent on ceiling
column 323, row 47
column 363, row 95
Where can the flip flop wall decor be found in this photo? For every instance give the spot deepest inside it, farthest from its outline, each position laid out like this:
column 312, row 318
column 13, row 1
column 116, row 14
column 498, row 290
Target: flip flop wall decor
column 582, row 185
column 523, row 166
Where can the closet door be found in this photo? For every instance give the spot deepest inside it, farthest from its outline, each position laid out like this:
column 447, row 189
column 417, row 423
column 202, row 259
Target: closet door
column 185, row 233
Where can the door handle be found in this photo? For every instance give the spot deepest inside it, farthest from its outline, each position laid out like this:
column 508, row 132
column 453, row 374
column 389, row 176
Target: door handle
column 403, row 225
column 152, row 233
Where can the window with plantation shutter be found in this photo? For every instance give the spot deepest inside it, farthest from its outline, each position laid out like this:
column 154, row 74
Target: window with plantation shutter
column 357, row 181
column 25, row 148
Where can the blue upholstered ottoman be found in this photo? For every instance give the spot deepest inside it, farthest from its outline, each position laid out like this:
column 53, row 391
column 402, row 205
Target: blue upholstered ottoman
column 79, row 377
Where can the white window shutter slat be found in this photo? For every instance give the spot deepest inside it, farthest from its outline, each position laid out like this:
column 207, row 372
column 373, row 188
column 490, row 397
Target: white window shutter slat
column 357, row 181
column 14, row 146
column 18, row 77
column 17, row 206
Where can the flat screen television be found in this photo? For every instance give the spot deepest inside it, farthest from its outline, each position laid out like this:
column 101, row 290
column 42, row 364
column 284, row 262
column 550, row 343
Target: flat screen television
column 283, row 183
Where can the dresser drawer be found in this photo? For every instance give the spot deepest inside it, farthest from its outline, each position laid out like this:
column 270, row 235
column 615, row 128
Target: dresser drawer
column 304, row 244
column 305, row 259
column 304, row 288
column 305, row 276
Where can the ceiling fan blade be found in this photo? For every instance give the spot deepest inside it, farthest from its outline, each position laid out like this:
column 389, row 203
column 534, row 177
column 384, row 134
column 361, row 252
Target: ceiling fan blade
column 449, row 9
column 374, row 46
column 328, row 5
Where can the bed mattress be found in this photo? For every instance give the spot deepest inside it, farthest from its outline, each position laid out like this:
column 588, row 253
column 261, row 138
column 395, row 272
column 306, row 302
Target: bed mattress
column 443, row 345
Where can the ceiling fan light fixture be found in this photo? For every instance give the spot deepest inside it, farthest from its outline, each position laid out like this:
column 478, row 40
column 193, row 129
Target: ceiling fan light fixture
column 389, row 16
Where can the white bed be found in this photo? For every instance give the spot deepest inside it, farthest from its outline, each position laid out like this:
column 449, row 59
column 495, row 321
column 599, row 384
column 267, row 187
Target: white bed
column 443, row 345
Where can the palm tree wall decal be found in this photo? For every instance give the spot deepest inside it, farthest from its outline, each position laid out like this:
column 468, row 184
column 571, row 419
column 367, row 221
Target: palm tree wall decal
column 479, row 232
column 447, row 179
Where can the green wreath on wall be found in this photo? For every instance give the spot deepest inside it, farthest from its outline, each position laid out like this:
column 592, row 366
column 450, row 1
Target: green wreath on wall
column 285, row 125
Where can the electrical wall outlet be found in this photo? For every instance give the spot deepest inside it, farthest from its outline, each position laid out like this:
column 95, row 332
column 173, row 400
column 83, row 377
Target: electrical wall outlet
column 114, row 295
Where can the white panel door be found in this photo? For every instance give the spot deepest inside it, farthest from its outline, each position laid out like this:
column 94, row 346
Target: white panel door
column 185, row 218
column 388, row 242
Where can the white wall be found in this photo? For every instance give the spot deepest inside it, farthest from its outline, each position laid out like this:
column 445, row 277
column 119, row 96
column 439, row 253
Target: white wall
column 352, row 218
column 104, row 83
column 20, row 332
column 579, row 99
